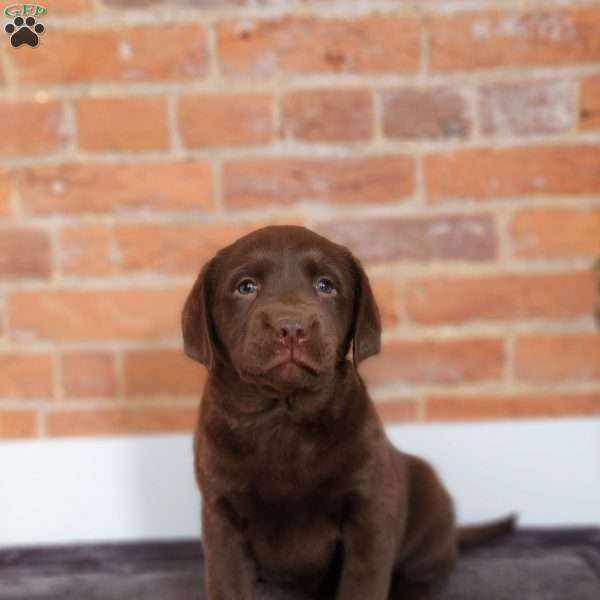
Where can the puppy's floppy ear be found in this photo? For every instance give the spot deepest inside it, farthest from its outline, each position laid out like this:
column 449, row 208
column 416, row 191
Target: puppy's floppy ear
column 196, row 321
column 366, row 333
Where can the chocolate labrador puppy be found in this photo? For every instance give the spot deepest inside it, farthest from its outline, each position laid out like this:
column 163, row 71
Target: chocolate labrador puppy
column 300, row 485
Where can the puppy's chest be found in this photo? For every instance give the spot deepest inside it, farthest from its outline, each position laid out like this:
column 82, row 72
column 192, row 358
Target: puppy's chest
column 291, row 539
column 289, row 496
column 280, row 461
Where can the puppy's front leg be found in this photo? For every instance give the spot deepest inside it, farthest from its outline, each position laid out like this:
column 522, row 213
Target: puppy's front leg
column 230, row 571
column 369, row 548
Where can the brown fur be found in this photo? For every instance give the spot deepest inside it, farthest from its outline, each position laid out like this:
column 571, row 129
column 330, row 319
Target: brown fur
column 300, row 485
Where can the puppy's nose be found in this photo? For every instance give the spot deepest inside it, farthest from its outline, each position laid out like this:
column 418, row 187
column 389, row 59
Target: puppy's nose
column 290, row 331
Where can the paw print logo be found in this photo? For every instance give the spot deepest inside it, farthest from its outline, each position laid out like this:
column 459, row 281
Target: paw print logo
column 24, row 32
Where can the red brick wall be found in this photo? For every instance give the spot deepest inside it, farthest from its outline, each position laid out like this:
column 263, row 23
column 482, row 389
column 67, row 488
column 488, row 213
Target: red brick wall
column 453, row 145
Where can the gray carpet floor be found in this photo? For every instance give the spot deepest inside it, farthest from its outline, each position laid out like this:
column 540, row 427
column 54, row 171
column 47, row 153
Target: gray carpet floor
column 527, row 565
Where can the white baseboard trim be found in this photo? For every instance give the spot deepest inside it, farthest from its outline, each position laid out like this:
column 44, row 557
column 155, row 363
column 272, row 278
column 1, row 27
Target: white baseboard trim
column 86, row 490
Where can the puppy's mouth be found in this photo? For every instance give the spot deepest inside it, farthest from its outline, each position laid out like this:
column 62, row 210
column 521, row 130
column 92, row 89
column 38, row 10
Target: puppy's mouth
column 292, row 359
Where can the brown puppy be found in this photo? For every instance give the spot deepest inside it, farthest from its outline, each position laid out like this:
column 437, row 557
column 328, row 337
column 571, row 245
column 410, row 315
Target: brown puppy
column 300, row 485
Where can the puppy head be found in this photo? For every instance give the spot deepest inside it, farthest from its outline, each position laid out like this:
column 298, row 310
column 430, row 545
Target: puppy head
column 281, row 306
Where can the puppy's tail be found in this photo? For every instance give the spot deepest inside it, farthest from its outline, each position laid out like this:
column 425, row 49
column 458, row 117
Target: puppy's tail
column 473, row 535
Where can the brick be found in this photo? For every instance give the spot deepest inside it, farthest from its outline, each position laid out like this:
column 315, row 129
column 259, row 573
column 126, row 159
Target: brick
column 128, row 4
column 527, row 108
column 374, row 44
column 397, row 410
column 69, row 7
column 5, row 191
column 467, row 408
column 282, row 181
column 480, row 40
column 105, row 188
column 85, row 250
column 386, row 297
column 16, row 424
column 88, row 375
column 327, row 115
column 589, row 111
column 226, row 119
column 442, row 362
column 125, row 54
column 481, row 174
column 558, row 357
column 24, row 253
column 120, row 421
column 530, row 296
column 162, row 372
column 123, row 124
column 25, row 375
column 470, row 238
column 96, row 314
column 31, row 127
column 556, row 233
column 142, row 247
column 413, row 113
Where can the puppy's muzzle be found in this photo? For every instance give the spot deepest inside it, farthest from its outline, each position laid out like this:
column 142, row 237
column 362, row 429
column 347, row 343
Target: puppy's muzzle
column 291, row 336
column 290, row 332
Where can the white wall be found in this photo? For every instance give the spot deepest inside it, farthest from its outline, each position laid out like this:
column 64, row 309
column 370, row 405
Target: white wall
column 143, row 487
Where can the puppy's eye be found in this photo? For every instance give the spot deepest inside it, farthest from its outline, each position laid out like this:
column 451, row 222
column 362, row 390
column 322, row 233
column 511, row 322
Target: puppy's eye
column 247, row 287
column 325, row 286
